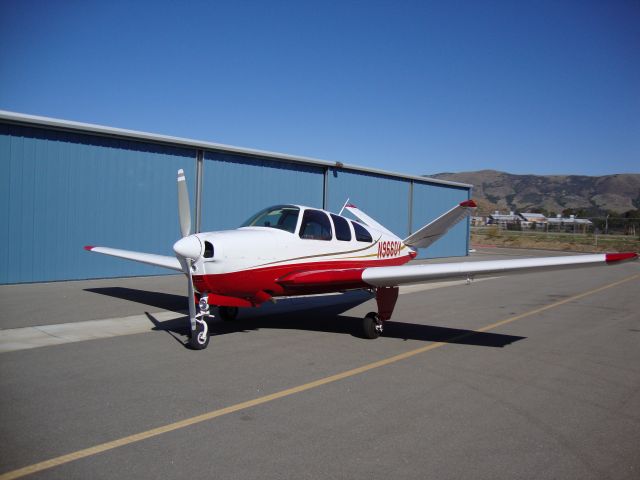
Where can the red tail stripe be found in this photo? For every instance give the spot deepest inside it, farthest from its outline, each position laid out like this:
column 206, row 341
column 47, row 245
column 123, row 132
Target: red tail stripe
column 469, row 203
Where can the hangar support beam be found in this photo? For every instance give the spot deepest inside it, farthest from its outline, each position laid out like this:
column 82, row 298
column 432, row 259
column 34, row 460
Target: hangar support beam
column 198, row 199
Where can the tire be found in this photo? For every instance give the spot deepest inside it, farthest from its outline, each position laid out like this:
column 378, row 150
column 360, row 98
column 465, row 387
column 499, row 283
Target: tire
column 199, row 339
column 228, row 313
column 369, row 324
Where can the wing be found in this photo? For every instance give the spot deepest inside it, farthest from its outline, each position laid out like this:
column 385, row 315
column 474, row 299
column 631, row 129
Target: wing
column 393, row 276
column 407, row 274
column 441, row 225
column 148, row 258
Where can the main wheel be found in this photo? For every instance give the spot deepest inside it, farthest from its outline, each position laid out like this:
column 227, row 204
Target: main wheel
column 199, row 338
column 371, row 326
column 228, row 313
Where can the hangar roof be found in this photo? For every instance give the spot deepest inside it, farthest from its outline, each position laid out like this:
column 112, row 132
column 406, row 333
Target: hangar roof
column 24, row 119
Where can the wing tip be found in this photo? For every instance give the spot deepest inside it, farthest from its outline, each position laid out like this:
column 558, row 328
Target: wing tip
column 468, row 203
column 620, row 257
column 350, row 205
column 88, row 248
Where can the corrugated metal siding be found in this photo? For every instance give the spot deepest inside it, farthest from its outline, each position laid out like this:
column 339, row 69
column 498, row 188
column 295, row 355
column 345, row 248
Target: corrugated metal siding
column 431, row 201
column 384, row 199
column 235, row 187
column 61, row 191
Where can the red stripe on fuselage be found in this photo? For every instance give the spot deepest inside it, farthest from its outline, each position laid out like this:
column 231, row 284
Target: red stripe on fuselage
column 246, row 283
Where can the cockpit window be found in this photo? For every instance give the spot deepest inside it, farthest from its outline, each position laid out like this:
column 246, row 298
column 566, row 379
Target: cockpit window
column 362, row 234
column 342, row 228
column 282, row 217
column 315, row 225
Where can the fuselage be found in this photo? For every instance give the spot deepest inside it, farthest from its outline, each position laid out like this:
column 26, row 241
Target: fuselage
column 249, row 265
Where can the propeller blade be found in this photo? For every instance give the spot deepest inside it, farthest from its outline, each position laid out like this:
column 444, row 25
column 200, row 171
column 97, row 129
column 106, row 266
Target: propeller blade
column 184, row 208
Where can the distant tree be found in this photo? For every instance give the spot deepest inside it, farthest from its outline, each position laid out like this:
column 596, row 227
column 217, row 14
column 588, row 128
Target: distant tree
column 539, row 210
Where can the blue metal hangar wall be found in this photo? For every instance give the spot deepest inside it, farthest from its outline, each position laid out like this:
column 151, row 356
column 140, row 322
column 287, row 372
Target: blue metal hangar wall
column 67, row 184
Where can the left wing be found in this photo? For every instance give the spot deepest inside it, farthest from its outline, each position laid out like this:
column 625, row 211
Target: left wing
column 407, row 274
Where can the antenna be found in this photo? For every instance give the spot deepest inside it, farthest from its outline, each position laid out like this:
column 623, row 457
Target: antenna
column 345, row 204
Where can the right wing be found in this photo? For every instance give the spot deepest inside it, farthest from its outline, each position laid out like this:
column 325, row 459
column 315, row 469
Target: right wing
column 406, row 274
column 441, row 225
column 148, row 258
column 349, row 278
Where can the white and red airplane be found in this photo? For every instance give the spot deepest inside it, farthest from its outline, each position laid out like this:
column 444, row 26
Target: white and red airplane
column 289, row 250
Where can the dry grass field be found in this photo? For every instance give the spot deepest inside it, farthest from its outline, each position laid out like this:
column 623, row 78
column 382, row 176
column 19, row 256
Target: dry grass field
column 555, row 241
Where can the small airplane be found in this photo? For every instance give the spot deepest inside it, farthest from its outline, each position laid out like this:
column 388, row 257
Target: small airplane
column 289, row 250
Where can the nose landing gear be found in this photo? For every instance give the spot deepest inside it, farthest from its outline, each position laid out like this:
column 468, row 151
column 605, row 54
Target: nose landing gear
column 199, row 338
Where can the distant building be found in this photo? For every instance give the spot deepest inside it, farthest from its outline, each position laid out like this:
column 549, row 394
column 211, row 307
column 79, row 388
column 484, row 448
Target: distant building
column 478, row 221
column 570, row 224
column 503, row 220
column 533, row 220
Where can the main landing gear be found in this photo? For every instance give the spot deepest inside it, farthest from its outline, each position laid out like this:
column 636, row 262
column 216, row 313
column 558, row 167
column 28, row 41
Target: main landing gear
column 373, row 323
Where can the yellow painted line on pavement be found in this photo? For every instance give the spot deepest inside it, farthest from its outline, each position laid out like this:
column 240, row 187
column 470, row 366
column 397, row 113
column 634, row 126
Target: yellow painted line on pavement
column 87, row 452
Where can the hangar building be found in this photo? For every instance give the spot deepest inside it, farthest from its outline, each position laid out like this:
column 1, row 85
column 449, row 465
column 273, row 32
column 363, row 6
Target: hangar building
column 67, row 184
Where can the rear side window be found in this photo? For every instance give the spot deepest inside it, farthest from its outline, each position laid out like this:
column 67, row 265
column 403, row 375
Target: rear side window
column 362, row 234
column 315, row 226
column 343, row 232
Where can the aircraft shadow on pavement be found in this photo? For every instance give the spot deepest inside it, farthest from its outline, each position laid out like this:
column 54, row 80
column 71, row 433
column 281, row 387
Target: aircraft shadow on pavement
column 166, row 301
column 327, row 314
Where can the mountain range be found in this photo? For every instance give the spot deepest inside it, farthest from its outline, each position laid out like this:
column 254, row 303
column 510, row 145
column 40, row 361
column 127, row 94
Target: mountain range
column 551, row 194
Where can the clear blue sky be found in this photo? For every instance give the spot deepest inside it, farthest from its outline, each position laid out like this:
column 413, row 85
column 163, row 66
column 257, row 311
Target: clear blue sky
column 416, row 87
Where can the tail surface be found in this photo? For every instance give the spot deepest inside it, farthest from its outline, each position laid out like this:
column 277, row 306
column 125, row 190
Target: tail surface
column 366, row 219
column 441, row 225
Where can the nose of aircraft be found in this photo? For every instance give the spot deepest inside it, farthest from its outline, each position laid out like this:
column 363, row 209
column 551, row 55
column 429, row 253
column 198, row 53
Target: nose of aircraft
column 188, row 247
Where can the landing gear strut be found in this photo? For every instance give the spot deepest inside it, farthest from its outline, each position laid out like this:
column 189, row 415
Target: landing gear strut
column 373, row 323
column 199, row 338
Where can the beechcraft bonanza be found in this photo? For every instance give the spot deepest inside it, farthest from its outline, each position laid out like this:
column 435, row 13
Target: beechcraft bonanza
column 289, row 250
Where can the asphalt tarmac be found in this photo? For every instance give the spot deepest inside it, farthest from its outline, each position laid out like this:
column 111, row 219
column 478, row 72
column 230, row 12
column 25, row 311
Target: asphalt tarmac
column 523, row 376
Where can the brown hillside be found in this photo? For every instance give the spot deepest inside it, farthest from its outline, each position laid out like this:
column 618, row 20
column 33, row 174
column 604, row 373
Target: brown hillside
column 553, row 193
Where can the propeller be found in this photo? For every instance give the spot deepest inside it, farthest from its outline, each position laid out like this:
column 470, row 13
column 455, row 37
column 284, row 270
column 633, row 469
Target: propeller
column 184, row 209
column 188, row 250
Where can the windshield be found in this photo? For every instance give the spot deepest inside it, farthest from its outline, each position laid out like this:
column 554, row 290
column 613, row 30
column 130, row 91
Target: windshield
column 283, row 217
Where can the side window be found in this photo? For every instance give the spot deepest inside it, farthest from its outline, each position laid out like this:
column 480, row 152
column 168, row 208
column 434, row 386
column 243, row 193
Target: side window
column 362, row 235
column 315, row 226
column 343, row 232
